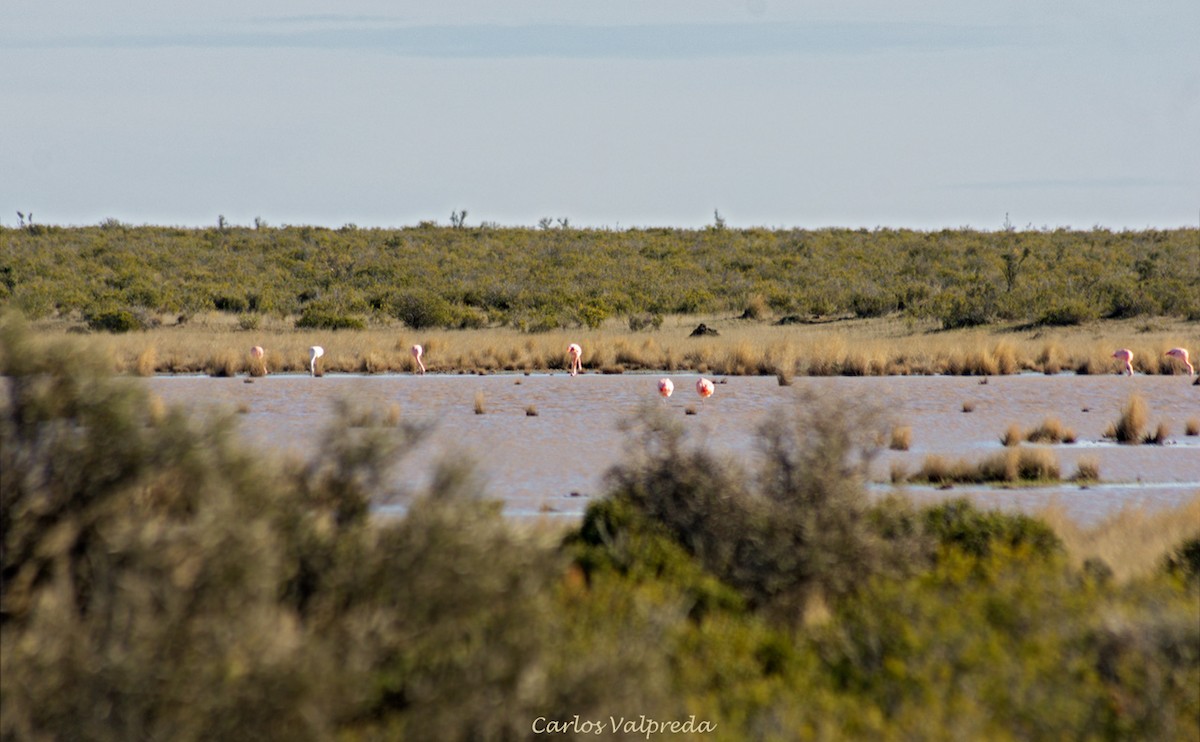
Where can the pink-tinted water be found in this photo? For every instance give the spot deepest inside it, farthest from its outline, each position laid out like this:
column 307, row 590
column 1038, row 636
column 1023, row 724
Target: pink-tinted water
column 555, row 462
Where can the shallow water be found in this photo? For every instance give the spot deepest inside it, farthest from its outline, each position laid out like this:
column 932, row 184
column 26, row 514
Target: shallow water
column 553, row 463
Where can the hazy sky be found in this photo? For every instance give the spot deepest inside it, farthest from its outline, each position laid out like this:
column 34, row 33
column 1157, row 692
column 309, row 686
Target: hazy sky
column 619, row 113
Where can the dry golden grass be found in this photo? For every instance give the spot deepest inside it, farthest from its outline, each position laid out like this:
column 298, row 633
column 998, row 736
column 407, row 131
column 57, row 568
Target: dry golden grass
column 146, row 362
column 901, row 438
column 1087, row 470
column 892, row 346
column 1159, row 436
column 1192, row 426
column 1009, row 466
column 480, row 407
column 1051, row 431
column 1128, row 427
column 1132, row 541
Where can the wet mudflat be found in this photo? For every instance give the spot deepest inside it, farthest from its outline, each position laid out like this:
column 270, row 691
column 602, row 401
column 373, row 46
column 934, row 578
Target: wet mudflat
column 554, row 462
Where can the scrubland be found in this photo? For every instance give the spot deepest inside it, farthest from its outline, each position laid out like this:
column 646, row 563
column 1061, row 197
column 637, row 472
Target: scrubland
column 785, row 302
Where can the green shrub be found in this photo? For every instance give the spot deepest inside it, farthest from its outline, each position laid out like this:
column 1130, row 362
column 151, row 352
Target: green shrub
column 422, row 309
column 593, row 313
column 792, row 530
column 114, row 320
column 1184, row 560
column 158, row 570
column 957, row 308
column 960, row 525
column 317, row 318
column 1067, row 312
column 639, row 322
column 872, row 304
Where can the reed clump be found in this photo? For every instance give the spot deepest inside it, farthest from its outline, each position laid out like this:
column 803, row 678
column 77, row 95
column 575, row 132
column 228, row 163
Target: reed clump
column 1129, row 426
column 901, row 438
column 1051, row 430
column 146, row 363
column 256, row 367
column 480, row 403
column 1192, row 426
column 1158, row 436
column 223, row 364
column 1087, row 470
column 1009, row 466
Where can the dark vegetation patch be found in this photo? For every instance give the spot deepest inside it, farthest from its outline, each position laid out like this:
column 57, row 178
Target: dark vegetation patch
column 541, row 279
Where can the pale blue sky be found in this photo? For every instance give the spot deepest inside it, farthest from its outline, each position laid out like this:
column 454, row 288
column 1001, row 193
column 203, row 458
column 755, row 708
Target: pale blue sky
column 623, row 113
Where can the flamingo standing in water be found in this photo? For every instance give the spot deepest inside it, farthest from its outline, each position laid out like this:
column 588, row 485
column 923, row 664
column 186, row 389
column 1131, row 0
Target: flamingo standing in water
column 1126, row 355
column 1182, row 355
column 665, row 387
column 314, row 353
column 705, row 388
column 258, row 367
column 575, row 352
column 416, row 353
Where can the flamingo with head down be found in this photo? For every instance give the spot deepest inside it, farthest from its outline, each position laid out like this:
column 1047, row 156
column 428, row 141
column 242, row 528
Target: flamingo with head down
column 576, row 353
column 257, row 365
column 416, row 354
column 666, row 387
column 314, row 354
column 1182, row 355
column 1126, row 355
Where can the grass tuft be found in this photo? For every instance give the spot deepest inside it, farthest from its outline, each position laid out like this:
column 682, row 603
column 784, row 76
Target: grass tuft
column 1010, row 466
column 1129, row 426
column 1159, row 436
column 1087, row 470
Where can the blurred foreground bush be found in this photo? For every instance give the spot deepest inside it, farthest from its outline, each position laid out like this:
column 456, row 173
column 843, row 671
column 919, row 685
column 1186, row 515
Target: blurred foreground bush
column 160, row 582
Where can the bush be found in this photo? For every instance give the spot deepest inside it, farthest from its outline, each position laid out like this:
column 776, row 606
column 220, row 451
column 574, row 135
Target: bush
column 1184, row 560
column 230, row 304
column 960, row 525
column 1066, row 313
column 956, row 308
column 793, row 530
column 162, row 580
column 315, row 318
column 422, row 309
column 639, row 322
column 872, row 304
column 114, row 320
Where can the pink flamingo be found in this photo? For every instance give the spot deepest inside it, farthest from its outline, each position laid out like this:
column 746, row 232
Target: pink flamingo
column 705, row 388
column 416, row 353
column 1182, row 355
column 575, row 352
column 257, row 353
column 314, row 353
column 665, row 388
column 1126, row 355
